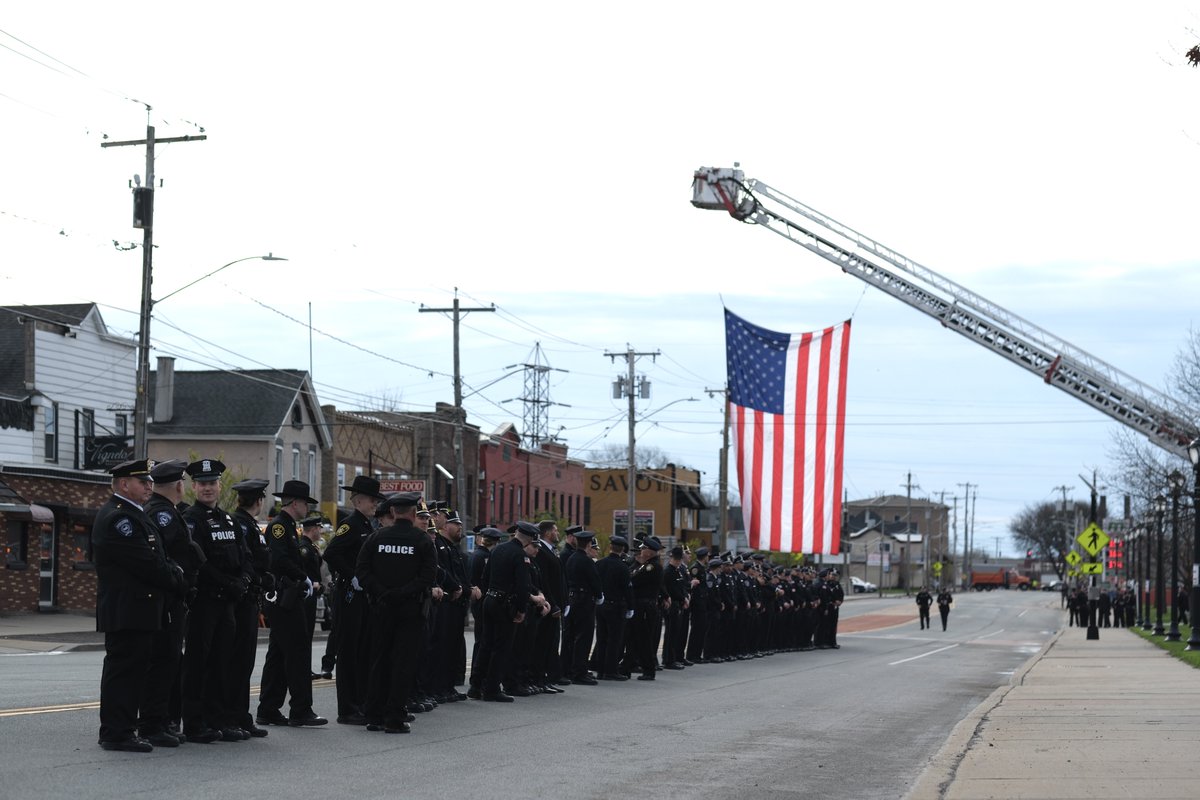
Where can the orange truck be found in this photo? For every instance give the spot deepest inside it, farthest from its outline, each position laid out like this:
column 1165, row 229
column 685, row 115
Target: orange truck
column 986, row 578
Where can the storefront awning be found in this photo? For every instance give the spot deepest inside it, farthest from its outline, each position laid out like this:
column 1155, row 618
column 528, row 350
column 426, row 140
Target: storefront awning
column 686, row 497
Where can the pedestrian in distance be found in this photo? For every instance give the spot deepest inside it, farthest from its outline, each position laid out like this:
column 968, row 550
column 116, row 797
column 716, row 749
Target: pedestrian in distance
column 924, row 601
column 944, row 601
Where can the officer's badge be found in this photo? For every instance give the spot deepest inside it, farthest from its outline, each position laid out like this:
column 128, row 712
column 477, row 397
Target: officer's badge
column 163, row 519
column 124, row 526
column 262, row 539
column 343, row 528
column 277, row 530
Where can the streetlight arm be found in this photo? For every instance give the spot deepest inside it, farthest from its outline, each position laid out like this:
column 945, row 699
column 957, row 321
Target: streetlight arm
column 267, row 257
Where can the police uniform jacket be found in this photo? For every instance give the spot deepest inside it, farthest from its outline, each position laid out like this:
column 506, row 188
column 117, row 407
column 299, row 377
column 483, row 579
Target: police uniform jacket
column 944, row 599
column 583, row 581
column 924, row 599
column 133, row 578
column 341, row 554
column 476, row 569
column 311, row 557
column 507, row 571
column 647, row 582
column 614, row 580
column 256, row 543
column 699, row 592
column 675, row 583
column 452, row 572
column 397, row 565
column 553, row 583
column 286, row 561
column 174, row 535
column 226, row 571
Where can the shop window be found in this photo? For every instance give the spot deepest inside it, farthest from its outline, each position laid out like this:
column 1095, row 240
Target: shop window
column 16, row 545
column 81, row 547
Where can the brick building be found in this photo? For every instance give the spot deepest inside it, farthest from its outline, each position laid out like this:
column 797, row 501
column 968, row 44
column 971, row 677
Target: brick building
column 515, row 483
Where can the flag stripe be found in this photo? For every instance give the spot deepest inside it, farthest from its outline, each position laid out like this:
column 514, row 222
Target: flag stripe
column 787, row 409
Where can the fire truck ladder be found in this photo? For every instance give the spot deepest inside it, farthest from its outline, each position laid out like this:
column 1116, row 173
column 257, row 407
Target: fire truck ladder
column 1165, row 422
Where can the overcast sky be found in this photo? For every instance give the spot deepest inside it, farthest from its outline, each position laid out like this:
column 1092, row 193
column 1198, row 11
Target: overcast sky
column 538, row 156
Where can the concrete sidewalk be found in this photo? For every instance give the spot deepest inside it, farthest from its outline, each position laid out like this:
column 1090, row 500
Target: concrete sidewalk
column 1117, row 717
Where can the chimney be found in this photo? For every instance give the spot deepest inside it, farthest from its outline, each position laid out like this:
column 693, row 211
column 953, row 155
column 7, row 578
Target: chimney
column 164, row 389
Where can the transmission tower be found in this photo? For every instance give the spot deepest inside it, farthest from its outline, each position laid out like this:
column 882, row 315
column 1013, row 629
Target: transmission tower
column 536, row 418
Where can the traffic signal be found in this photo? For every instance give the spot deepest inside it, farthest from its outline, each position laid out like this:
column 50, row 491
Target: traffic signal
column 1116, row 554
column 1029, row 553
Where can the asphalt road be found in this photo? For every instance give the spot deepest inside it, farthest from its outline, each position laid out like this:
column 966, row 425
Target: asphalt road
column 859, row 722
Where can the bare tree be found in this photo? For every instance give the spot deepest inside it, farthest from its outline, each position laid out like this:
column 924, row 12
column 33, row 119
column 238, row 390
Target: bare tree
column 617, row 455
column 1045, row 529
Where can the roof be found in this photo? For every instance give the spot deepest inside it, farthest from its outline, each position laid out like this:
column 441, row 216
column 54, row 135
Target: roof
column 12, row 338
column 243, row 403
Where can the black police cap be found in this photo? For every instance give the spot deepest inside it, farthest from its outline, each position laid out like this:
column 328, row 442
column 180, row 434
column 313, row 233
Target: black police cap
column 573, row 530
column 701, row 552
column 206, row 469
column 525, row 529
column 255, row 486
column 399, row 500
column 618, row 541
column 168, row 471
column 488, row 532
column 651, row 543
column 134, row 469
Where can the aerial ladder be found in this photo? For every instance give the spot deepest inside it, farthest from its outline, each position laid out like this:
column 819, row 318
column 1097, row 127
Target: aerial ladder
column 1163, row 421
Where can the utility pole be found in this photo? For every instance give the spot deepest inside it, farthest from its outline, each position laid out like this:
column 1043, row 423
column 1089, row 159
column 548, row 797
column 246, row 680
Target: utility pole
column 626, row 387
column 459, row 415
column 954, row 540
column 966, row 560
column 723, row 502
column 1066, row 541
column 908, row 537
column 143, row 208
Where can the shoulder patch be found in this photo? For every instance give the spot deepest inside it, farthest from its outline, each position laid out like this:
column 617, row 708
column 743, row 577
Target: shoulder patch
column 163, row 519
column 277, row 530
column 343, row 528
column 124, row 526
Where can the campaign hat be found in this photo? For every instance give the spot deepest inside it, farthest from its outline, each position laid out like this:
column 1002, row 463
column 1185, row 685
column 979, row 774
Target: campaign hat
column 365, row 484
column 297, row 489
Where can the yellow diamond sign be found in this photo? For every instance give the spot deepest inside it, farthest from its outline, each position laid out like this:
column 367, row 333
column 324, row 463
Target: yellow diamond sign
column 1092, row 539
column 1092, row 568
column 1074, row 558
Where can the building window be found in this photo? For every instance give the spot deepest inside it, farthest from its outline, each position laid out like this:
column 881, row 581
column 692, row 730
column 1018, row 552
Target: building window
column 295, row 462
column 278, row 467
column 492, row 503
column 81, row 547
column 297, row 417
column 341, row 479
column 519, row 506
column 500, row 509
column 87, row 422
column 537, row 498
column 312, row 470
column 16, row 545
column 120, row 425
column 51, row 419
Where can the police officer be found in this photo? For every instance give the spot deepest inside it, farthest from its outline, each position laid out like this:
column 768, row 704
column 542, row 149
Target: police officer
column 396, row 567
column 486, row 538
column 570, row 545
column 157, row 716
column 449, row 639
column 547, row 663
column 699, row 596
column 944, row 601
column 924, row 601
column 584, row 595
column 287, row 668
column 310, row 554
column 648, row 592
column 251, row 495
column 133, row 580
column 613, row 614
column 350, row 611
column 504, row 604
column 675, row 584
column 209, row 663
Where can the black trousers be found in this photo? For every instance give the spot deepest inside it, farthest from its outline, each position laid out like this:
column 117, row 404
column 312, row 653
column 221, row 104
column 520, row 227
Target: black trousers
column 166, row 657
column 583, row 627
column 610, row 637
column 647, row 627
column 545, row 647
column 924, row 614
column 674, row 636
column 207, row 664
column 396, row 632
column 127, row 658
column 696, row 633
column 945, row 612
column 287, row 669
column 244, row 648
column 353, row 650
column 496, row 648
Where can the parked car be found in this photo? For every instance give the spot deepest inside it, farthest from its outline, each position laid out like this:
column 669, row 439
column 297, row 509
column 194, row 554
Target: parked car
column 1052, row 586
column 861, row 586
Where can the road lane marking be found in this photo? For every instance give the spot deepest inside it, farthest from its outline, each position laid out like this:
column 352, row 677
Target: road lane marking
column 988, row 636
column 931, row 652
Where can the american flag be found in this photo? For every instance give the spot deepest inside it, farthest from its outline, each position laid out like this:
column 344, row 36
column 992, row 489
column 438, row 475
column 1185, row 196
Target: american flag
column 787, row 407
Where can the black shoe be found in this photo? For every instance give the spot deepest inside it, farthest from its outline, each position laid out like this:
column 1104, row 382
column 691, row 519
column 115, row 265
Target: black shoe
column 458, row 696
column 374, row 726
column 253, row 731
column 270, row 718
column 563, row 682
column 688, row 663
column 418, row 707
column 836, row 646
column 614, row 676
column 133, row 744
column 474, row 693
column 673, row 666
column 550, row 688
column 646, row 676
column 584, row 680
column 309, row 720
column 352, row 719
column 202, row 735
column 327, row 674
column 397, row 727
column 521, row 691
column 161, row 739
column 233, row 735
column 498, row 697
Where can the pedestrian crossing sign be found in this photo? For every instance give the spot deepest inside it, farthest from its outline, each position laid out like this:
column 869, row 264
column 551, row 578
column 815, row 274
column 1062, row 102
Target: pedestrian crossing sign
column 1092, row 568
column 1074, row 558
column 1092, row 539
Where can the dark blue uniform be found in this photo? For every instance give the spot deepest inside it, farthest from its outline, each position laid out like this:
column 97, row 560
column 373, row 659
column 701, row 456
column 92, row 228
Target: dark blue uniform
column 507, row 577
column 350, row 616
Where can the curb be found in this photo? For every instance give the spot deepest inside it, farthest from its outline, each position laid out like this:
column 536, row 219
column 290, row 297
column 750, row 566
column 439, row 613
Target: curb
column 935, row 780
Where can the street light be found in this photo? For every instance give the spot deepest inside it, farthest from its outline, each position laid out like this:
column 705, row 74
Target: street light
column 1136, row 571
column 1145, row 587
column 1160, row 508
column 141, row 399
column 1176, row 481
column 1193, row 642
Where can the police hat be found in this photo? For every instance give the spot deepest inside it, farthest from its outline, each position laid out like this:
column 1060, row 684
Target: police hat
column 701, row 552
column 716, row 562
column 574, row 529
column 297, row 489
column 365, row 484
column 209, row 469
column 525, row 529
column 422, row 509
column 651, row 543
column 399, row 500
column 452, row 516
column 759, row 556
column 254, row 486
column 585, row 536
column 140, row 469
column 676, row 552
column 312, row 519
column 488, row 532
column 168, row 471
column 618, row 541
column 440, row 506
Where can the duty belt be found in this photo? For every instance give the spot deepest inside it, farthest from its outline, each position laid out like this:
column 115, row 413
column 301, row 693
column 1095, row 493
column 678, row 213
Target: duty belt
column 498, row 595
